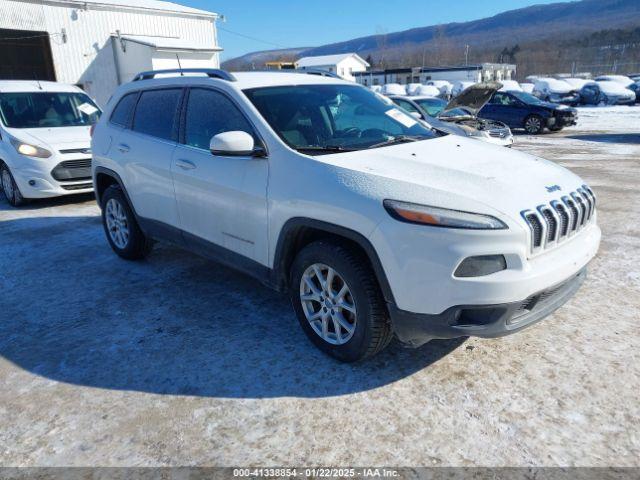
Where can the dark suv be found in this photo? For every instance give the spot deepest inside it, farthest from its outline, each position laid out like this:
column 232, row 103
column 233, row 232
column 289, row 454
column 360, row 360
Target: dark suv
column 522, row 110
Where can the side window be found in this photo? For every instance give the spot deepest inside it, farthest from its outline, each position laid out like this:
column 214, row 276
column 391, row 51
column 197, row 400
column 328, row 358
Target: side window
column 156, row 112
column 407, row 106
column 122, row 113
column 210, row 113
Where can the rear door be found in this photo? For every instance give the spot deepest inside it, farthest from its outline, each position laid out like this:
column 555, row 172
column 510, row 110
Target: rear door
column 222, row 201
column 145, row 152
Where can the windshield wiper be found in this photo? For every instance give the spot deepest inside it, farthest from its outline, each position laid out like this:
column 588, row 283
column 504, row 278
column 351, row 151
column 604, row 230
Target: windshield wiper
column 326, row 148
column 395, row 140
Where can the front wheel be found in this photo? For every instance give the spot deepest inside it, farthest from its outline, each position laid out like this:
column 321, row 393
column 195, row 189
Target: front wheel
column 9, row 187
column 534, row 124
column 120, row 225
column 338, row 301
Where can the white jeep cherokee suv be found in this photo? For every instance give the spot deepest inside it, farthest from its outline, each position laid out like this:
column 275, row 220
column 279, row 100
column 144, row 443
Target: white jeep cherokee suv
column 373, row 223
column 44, row 139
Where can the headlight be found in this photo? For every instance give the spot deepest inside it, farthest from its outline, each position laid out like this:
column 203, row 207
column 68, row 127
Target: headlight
column 29, row 150
column 477, row 133
column 441, row 217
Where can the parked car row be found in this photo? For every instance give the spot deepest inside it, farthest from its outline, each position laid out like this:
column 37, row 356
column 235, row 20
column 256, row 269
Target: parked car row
column 375, row 224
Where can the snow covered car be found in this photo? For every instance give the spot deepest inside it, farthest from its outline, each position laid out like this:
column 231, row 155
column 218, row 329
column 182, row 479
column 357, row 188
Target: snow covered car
column 510, row 86
column 374, row 226
column 522, row 110
column 527, row 87
column 556, row 91
column 44, row 140
column 606, row 93
column 393, row 89
column 626, row 82
column 445, row 88
column 460, row 86
column 461, row 114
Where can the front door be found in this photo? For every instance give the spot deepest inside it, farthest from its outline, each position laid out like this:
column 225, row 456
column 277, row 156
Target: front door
column 222, row 201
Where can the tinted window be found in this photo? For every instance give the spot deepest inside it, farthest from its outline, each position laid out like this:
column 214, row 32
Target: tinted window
column 156, row 112
column 122, row 113
column 406, row 105
column 210, row 113
column 327, row 118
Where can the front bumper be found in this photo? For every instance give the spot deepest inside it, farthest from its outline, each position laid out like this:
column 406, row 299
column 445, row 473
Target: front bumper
column 44, row 178
column 487, row 321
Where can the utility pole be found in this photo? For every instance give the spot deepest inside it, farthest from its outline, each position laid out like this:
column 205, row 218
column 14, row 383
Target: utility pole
column 466, row 55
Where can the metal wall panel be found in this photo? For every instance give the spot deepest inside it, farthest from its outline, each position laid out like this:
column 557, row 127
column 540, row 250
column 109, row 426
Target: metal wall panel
column 81, row 37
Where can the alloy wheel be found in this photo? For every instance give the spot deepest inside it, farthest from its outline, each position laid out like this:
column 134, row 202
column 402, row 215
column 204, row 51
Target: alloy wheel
column 117, row 223
column 328, row 304
column 533, row 125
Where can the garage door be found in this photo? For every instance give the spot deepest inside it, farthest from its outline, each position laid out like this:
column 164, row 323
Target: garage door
column 25, row 55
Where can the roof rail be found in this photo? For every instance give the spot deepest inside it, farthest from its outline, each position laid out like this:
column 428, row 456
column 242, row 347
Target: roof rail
column 316, row 71
column 210, row 72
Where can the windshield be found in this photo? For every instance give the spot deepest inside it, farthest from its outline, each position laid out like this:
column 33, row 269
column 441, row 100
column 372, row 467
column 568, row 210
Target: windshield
column 433, row 106
column 47, row 109
column 526, row 97
column 320, row 119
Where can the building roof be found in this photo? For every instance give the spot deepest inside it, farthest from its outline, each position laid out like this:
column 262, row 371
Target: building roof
column 146, row 5
column 328, row 60
column 171, row 44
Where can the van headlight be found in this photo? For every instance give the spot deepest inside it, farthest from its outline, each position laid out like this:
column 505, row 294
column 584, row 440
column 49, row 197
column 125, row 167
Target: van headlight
column 29, row 150
column 441, row 217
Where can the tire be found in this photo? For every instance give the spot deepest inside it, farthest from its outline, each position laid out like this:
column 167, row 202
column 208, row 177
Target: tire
column 362, row 308
column 121, row 228
column 534, row 124
column 9, row 187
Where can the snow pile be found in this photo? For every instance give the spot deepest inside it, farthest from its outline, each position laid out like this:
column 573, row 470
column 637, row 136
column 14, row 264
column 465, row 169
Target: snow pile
column 428, row 91
column 510, row 86
column 393, row 89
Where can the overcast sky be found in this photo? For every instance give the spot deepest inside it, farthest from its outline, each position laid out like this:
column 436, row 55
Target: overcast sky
column 310, row 23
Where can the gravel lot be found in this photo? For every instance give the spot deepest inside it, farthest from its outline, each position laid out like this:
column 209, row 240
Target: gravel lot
column 178, row 361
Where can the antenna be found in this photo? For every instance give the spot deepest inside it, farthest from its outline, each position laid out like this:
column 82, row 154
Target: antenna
column 179, row 65
column 35, row 77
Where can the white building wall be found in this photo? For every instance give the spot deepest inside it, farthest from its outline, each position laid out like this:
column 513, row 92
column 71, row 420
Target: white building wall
column 87, row 56
column 347, row 67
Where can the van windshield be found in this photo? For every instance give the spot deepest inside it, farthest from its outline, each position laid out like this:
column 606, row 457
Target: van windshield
column 317, row 119
column 47, row 109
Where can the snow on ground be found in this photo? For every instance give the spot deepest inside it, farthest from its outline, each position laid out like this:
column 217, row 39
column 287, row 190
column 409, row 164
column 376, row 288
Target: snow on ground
column 178, row 361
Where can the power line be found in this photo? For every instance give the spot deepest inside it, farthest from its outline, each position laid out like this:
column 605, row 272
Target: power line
column 251, row 38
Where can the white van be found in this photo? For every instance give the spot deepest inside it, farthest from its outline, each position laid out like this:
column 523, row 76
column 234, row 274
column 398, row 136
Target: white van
column 44, row 139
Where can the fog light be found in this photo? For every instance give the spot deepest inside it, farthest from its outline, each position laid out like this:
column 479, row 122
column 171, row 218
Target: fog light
column 481, row 266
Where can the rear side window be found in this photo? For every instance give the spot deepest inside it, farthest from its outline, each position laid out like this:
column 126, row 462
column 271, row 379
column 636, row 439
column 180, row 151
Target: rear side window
column 156, row 113
column 122, row 113
column 210, row 113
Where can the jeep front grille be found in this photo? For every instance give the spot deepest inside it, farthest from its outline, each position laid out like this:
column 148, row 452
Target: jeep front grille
column 559, row 220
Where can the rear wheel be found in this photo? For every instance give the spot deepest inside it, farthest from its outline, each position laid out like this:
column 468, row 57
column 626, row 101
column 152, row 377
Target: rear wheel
column 338, row 302
column 9, row 187
column 534, row 124
column 120, row 225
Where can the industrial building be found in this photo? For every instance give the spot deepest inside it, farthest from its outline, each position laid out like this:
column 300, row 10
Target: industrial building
column 99, row 44
column 482, row 72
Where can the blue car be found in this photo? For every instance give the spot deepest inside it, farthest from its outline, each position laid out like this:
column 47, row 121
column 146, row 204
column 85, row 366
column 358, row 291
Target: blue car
column 522, row 110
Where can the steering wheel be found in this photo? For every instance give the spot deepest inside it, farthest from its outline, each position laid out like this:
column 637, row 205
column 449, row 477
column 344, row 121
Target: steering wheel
column 373, row 133
column 351, row 132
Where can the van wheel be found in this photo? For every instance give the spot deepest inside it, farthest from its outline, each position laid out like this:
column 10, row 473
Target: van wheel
column 9, row 187
column 338, row 301
column 120, row 226
column 534, row 124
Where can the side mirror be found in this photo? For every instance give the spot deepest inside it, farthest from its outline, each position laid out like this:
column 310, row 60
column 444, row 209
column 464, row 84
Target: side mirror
column 235, row 144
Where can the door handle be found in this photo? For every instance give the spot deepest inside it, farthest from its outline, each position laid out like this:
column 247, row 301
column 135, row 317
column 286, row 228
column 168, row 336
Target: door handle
column 185, row 164
column 123, row 148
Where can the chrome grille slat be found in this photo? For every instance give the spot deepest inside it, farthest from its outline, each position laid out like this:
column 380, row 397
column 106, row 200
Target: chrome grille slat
column 553, row 223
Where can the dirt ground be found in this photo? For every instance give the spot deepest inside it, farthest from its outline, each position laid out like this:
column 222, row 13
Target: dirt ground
column 178, row 361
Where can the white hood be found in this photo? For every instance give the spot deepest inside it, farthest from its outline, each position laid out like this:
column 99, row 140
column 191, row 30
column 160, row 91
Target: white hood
column 62, row 137
column 459, row 173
